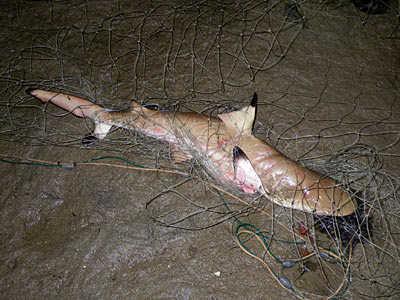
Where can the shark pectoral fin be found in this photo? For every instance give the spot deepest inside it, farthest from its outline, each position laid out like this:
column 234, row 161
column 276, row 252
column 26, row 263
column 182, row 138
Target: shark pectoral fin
column 245, row 175
column 242, row 120
column 177, row 156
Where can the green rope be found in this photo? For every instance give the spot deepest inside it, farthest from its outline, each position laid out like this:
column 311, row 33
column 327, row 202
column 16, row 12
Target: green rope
column 257, row 231
column 117, row 158
column 28, row 163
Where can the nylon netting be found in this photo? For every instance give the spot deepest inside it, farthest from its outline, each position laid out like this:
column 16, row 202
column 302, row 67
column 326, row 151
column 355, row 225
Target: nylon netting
column 327, row 77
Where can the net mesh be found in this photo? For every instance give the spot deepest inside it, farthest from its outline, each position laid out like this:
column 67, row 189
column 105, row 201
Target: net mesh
column 327, row 77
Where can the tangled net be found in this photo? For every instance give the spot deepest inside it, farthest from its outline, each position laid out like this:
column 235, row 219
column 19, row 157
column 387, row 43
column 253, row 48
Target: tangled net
column 328, row 81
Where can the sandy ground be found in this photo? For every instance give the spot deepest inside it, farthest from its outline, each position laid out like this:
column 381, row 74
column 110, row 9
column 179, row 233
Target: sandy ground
column 85, row 233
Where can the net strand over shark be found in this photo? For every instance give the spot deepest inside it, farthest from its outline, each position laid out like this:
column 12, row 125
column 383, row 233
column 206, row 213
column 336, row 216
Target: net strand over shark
column 227, row 147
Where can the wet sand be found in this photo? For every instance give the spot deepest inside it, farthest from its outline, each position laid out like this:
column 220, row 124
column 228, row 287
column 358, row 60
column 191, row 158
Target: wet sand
column 85, row 233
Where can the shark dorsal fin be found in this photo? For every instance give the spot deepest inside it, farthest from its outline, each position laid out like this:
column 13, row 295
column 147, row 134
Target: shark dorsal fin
column 241, row 120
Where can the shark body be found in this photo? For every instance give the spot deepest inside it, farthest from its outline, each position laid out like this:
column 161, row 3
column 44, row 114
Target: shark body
column 227, row 147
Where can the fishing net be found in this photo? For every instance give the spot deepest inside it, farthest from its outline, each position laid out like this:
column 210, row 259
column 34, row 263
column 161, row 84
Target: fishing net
column 327, row 78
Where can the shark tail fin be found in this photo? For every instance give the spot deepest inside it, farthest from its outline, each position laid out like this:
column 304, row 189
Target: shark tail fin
column 241, row 120
column 77, row 106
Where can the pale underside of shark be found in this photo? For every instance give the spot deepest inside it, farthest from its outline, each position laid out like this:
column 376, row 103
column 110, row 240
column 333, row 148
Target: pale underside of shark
column 227, row 148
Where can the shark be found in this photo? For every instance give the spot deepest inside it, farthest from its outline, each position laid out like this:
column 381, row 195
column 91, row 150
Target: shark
column 227, row 146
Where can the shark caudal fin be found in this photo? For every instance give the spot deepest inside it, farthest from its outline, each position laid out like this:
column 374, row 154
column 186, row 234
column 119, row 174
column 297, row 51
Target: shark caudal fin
column 77, row 106
column 242, row 120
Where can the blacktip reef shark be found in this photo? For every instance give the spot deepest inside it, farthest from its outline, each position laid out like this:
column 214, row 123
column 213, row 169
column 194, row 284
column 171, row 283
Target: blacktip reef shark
column 227, row 147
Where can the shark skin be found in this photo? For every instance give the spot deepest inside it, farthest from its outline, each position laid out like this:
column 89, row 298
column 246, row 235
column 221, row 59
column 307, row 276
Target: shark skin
column 228, row 149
